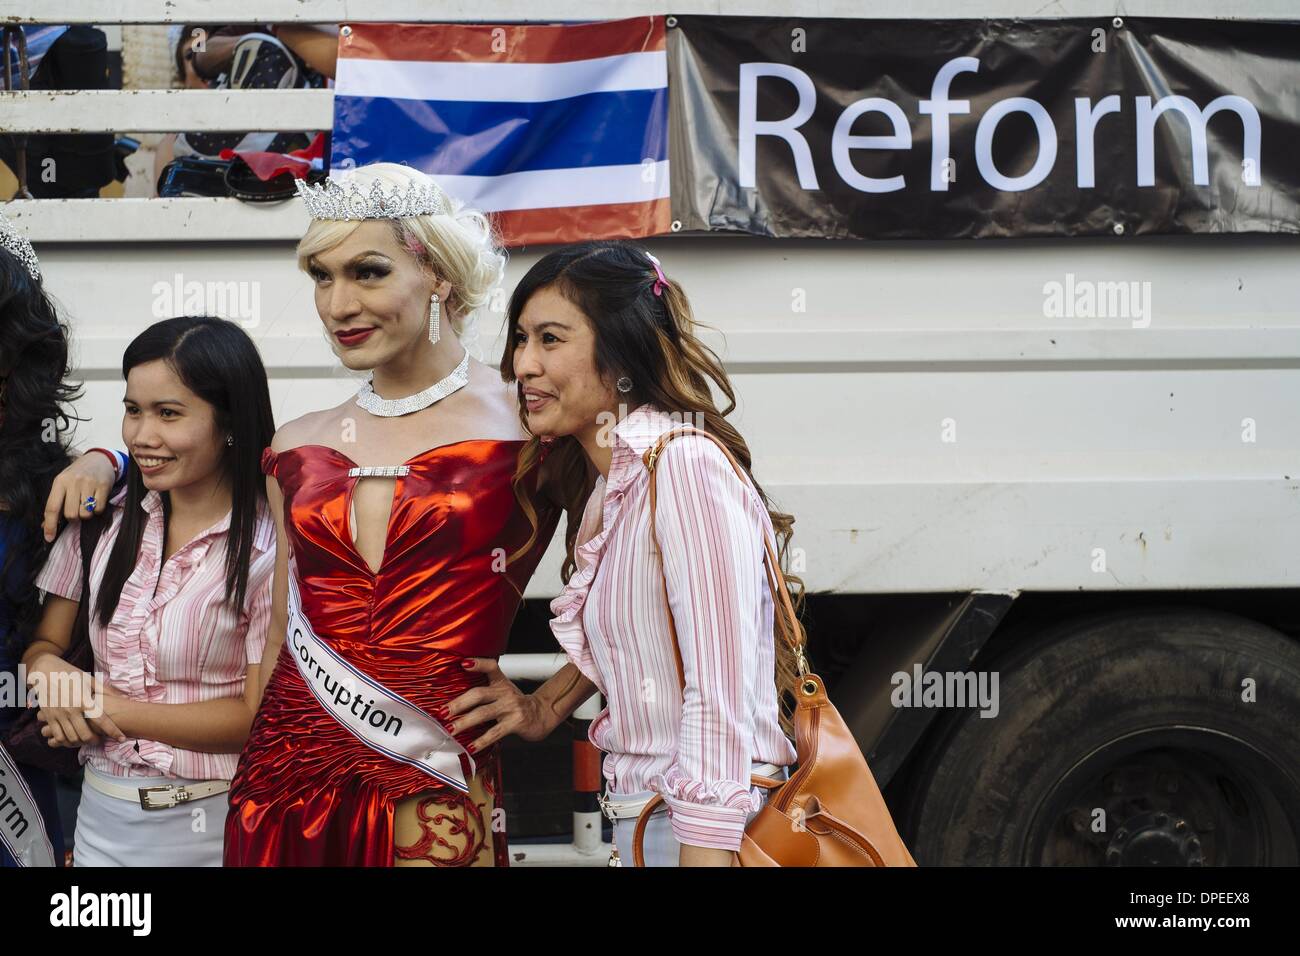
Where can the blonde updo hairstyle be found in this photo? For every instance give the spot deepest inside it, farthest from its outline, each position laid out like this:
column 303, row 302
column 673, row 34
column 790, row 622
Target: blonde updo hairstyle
column 458, row 244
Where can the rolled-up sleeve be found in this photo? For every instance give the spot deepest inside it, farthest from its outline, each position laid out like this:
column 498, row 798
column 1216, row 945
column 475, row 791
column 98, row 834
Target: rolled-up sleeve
column 61, row 573
column 711, row 542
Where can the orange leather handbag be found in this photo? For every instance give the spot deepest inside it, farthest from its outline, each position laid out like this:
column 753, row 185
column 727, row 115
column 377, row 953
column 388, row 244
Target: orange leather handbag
column 830, row 812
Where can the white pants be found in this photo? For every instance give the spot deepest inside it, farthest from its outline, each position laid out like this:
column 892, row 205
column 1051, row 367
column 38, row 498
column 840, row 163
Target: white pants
column 116, row 832
column 659, row 845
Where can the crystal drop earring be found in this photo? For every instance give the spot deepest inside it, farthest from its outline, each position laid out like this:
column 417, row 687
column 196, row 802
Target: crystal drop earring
column 435, row 311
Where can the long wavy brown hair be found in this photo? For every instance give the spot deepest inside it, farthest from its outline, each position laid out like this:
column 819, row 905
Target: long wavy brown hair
column 653, row 340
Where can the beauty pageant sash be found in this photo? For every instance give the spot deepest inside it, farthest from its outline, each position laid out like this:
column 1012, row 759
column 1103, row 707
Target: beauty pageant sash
column 379, row 718
column 22, row 828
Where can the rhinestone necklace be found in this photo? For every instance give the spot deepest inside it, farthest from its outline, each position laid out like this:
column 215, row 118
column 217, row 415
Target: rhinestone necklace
column 393, row 407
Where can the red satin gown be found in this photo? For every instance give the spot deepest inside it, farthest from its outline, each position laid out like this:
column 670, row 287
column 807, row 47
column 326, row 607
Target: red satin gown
column 309, row 793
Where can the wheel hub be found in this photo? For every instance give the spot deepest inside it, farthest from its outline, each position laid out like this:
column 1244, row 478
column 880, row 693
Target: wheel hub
column 1154, row 839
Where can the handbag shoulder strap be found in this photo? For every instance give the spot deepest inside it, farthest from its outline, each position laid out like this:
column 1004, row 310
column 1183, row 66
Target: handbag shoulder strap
column 775, row 578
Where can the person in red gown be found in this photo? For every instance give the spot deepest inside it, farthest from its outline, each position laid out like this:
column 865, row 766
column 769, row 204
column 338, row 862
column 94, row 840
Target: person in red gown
column 401, row 526
column 308, row 791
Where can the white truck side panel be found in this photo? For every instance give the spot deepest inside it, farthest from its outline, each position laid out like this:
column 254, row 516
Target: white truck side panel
column 928, row 425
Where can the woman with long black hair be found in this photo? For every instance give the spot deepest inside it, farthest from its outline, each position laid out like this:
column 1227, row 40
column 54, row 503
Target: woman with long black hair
column 33, row 425
column 667, row 612
column 180, row 598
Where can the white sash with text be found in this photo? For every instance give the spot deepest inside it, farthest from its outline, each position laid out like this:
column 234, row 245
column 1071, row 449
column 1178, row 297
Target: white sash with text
column 22, row 828
column 379, row 718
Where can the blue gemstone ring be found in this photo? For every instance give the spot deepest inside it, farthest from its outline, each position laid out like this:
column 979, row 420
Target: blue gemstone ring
column 90, row 503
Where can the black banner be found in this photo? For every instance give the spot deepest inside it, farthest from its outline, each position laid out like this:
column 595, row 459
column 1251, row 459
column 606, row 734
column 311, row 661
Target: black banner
column 984, row 128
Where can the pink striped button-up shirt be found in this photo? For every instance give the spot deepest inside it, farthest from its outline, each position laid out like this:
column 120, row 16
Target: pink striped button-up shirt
column 178, row 644
column 694, row 748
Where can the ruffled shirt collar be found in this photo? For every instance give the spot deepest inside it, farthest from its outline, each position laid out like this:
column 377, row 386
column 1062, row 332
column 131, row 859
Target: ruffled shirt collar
column 630, row 439
column 263, row 530
column 130, row 650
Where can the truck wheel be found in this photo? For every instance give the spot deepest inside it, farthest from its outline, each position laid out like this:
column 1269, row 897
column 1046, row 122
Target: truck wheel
column 1157, row 738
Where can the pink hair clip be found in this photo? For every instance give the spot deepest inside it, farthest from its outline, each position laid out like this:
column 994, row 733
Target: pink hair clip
column 661, row 281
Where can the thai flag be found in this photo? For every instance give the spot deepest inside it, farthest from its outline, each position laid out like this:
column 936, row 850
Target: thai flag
column 561, row 132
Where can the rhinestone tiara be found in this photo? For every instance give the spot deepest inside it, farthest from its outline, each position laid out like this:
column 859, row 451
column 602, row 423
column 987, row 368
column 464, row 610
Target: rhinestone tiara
column 19, row 246
column 331, row 200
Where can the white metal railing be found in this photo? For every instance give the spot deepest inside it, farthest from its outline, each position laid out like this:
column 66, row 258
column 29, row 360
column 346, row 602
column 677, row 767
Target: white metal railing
column 188, row 219
column 164, row 111
column 486, row 11
column 337, row 11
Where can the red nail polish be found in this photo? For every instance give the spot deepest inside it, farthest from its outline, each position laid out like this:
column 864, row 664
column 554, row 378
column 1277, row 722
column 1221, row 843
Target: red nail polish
column 467, row 663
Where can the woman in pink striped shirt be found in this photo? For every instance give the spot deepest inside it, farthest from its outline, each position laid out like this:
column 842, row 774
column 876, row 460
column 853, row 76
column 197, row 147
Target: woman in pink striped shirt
column 178, row 604
column 606, row 359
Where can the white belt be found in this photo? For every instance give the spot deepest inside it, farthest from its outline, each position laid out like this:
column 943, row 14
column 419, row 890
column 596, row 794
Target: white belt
column 617, row 808
column 158, row 797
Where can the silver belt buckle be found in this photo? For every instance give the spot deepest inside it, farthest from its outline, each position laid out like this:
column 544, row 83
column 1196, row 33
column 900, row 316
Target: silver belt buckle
column 173, row 793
